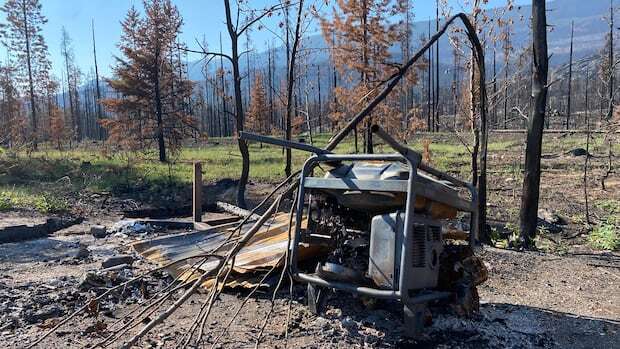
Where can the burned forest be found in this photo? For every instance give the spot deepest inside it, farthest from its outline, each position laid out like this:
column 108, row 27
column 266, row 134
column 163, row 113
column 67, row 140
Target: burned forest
column 309, row 174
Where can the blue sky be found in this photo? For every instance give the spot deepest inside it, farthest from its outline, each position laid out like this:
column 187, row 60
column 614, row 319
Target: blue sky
column 202, row 18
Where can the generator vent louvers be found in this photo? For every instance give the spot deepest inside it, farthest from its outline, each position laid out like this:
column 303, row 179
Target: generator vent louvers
column 418, row 250
column 435, row 233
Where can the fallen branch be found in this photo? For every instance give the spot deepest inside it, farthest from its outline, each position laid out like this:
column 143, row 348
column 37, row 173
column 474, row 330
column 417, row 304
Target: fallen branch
column 276, row 207
column 85, row 306
column 284, row 271
column 173, row 307
column 231, row 255
column 237, row 211
column 245, row 300
column 290, row 276
column 166, row 293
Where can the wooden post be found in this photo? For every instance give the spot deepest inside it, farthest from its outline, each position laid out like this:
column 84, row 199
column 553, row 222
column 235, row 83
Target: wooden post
column 197, row 195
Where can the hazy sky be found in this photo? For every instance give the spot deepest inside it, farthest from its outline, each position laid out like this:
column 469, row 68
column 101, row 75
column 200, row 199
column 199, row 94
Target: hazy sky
column 201, row 17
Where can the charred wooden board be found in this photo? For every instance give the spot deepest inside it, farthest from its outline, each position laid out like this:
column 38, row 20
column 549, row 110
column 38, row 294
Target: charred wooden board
column 25, row 232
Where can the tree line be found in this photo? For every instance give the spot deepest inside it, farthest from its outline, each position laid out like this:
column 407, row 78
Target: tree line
column 66, row 110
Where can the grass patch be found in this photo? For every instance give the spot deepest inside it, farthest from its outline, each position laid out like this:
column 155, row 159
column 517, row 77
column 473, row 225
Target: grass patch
column 141, row 176
column 611, row 207
column 5, row 202
column 605, row 237
column 44, row 203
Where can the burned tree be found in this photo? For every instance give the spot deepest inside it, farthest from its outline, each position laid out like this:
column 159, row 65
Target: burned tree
column 570, row 76
column 360, row 29
column 148, row 83
column 235, row 30
column 72, row 74
column 22, row 37
column 536, row 122
column 290, row 78
column 98, row 88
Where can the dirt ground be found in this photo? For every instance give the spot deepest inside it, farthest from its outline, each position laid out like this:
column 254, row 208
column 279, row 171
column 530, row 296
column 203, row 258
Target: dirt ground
column 532, row 300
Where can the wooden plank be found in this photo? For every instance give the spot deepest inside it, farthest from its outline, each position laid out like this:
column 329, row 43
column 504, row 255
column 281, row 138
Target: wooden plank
column 197, row 194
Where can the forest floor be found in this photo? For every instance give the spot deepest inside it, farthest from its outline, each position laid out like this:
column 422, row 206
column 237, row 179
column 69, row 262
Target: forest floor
column 565, row 294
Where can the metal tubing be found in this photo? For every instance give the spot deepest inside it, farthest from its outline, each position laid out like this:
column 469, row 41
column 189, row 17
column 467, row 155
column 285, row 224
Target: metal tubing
column 358, row 157
column 299, row 214
column 404, row 151
column 442, row 175
column 248, row 136
column 427, row 297
column 367, row 291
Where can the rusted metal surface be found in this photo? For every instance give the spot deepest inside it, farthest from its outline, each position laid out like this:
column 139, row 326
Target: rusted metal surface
column 265, row 250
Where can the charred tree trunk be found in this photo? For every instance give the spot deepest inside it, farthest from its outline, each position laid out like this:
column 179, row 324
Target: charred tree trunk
column 28, row 52
column 494, row 99
column 335, row 86
column 430, row 85
column 587, row 157
column 368, row 146
column 239, row 116
column 570, row 77
column 320, row 107
column 97, row 105
column 290, row 86
column 437, row 87
column 506, row 93
column 531, row 181
column 223, row 83
column 289, row 97
column 610, row 110
column 270, row 77
column 159, row 112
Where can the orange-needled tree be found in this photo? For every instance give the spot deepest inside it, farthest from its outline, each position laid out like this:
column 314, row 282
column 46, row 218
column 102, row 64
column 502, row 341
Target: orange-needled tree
column 151, row 93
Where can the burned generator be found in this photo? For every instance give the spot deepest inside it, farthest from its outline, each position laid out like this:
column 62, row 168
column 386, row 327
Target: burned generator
column 380, row 218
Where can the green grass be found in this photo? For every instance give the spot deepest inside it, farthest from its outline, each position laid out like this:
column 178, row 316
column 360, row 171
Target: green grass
column 553, row 143
column 605, row 236
column 611, row 207
column 32, row 180
column 42, row 202
column 219, row 161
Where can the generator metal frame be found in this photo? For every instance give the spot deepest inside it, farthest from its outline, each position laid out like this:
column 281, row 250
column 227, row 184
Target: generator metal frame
column 413, row 187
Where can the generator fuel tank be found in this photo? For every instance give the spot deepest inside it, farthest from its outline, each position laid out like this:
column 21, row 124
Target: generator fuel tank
column 386, row 251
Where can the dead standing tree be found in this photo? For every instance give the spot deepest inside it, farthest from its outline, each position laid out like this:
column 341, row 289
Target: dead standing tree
column 535, row 125
column 290, row 84
column 235, row 31
column 22, row 37
column 100, row 134
column 147, row 83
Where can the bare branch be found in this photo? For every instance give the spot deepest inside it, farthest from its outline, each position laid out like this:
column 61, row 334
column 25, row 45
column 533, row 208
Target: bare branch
column 259, row 17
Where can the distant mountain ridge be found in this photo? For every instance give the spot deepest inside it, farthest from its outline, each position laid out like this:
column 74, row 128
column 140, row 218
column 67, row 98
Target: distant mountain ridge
column 590, row 30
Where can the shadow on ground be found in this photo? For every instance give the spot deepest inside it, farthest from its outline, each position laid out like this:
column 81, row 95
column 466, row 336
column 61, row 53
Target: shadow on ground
column 498, row 325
